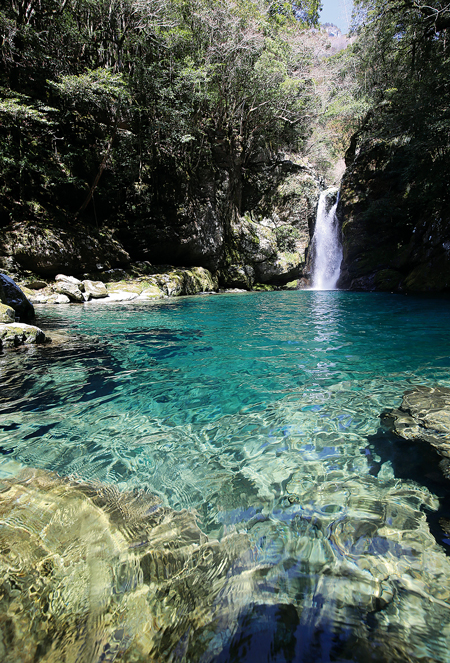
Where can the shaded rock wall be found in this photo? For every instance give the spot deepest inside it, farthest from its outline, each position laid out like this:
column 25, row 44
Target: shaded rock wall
column 255, row 218
column 48, row 249
column 395, row 220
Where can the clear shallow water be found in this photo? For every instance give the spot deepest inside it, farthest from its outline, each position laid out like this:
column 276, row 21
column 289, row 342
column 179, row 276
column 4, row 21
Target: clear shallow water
column 260, row 412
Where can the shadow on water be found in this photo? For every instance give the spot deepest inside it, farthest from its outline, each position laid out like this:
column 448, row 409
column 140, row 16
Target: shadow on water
column 279, row 634
column 417, row 461
column 22, row 371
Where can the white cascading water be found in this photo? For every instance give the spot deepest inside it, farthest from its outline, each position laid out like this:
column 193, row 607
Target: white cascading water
column 326, row 245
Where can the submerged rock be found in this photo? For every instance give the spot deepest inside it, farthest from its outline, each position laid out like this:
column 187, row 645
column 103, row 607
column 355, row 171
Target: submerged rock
column 90, row 574
column 13, row 296
column 424, row 415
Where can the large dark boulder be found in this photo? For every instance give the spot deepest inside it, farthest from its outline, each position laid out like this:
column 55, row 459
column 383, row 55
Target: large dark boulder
column 12, row 295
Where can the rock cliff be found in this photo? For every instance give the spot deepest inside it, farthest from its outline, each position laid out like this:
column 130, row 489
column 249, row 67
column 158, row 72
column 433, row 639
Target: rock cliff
column 249, row 225
column 395, row 223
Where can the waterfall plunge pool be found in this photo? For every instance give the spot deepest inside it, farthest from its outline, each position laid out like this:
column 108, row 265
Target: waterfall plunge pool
column 230, row 494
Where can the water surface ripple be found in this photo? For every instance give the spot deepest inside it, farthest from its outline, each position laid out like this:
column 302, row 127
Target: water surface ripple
column 256, row 413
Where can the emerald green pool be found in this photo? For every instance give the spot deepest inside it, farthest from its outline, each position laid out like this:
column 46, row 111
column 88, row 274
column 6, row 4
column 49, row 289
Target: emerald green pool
column 259, row 413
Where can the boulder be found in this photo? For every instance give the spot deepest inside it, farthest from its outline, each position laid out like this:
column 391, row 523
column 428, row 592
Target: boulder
column 36, row 285
column 69, row 279
column 12, row 295
column 121, row 296
column 7, row 314
column 12, row 335
column 70, row 290
column 152, row 292
column 172, row 283
column 95, row 289
column 57, row 299
column 199, row 279
column 131, row 287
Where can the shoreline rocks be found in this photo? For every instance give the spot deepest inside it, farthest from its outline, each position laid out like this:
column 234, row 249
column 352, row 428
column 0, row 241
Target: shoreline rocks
column 143, row 282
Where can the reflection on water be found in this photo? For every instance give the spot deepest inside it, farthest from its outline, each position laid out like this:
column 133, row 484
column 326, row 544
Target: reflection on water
column 259, row 415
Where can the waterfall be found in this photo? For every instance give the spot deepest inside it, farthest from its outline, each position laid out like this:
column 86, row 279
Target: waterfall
column 326, row 247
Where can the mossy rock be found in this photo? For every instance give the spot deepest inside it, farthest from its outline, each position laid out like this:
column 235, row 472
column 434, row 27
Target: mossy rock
column 433, row 276
column 7, row 314
column 199, row 279
column 152, row 292
column 135, row 287
column 388, row 280
column 12, row 295
column 263, row 287
column 13, row 335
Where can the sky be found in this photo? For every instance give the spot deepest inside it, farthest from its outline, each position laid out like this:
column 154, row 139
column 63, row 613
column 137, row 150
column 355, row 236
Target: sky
column 337, row 12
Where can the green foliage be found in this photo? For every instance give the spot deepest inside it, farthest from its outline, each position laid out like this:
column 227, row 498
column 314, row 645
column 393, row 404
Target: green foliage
column 99, row 88
column 403, row 58
column 148, row 93
column 286, row 237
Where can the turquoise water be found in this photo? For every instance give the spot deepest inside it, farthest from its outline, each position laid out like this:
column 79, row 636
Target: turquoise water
column 258, row 413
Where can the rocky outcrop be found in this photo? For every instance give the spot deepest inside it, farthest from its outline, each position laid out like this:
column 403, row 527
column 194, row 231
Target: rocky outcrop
column 48, row 249
column 230, row 215
column 205, row 228
column 267, row 245
column 13, row 296
column 424, row 415
column 94, row 289
column 395, row 233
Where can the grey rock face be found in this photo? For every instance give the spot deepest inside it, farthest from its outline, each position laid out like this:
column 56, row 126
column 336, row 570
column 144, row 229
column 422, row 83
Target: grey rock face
column 50, row 250
column 12, row 295
column 68, row 279
column 285, row 268
column 238, row 276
